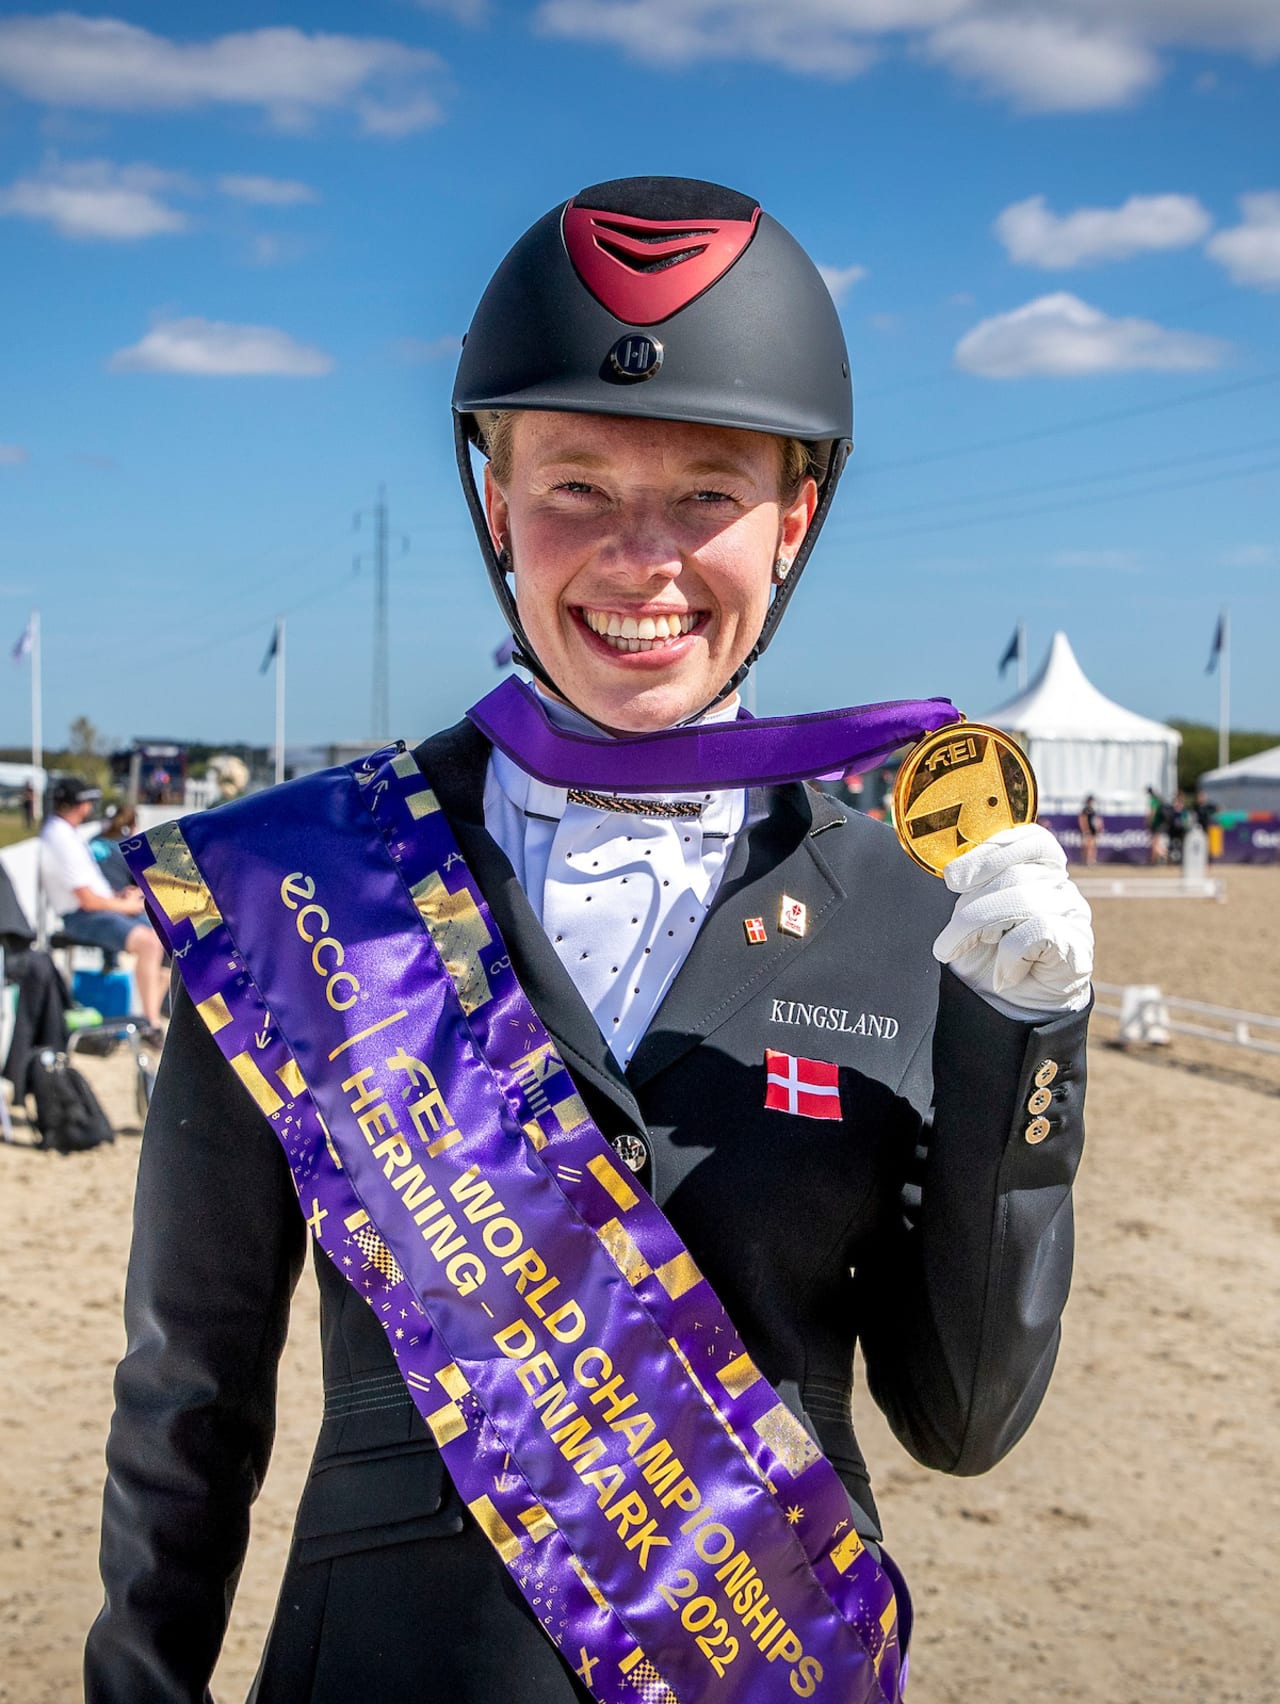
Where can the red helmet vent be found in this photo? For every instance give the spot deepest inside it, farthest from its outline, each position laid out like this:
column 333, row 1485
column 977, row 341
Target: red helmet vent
column 645, row 270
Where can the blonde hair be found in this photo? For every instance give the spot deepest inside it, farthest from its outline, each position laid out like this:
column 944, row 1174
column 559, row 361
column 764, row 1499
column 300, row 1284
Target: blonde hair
column 497, row 427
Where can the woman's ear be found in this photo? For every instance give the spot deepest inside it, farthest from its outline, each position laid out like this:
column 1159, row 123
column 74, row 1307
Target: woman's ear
column 496, row 512
column 797, row 518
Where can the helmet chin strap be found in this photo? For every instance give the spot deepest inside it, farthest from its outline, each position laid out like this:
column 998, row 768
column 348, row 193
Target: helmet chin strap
column 528, row 658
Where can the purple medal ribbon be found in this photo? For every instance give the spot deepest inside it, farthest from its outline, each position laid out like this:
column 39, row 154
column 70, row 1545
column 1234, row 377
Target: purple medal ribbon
column 545, row 1317
column 750, row 752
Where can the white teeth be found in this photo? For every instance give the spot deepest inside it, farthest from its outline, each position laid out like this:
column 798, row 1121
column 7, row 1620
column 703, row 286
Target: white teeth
column 627, row 633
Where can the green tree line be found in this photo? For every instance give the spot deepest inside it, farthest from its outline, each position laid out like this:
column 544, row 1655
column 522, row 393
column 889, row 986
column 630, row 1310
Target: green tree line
column 1199, row 749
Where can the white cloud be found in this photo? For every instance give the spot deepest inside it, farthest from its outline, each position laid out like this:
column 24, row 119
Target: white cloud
column 266, row 191
column 1047, row 64
column 1252, row 556
column 417, row 351
column 214, row 349
column 94, row 200
column 841, row 279
column 1033, row 235
column 1044, row 55
column 470, row 12
column 1250, row 251
column 820, row 38
column 104, row 64
column 13, row 455
column 1061, row 337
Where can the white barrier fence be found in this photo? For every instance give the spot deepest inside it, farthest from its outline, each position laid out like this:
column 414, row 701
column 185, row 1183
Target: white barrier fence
column 1147, row 1015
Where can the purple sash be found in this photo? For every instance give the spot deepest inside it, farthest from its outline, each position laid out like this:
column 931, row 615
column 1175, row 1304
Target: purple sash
column 749, row 752
column 674, row 1528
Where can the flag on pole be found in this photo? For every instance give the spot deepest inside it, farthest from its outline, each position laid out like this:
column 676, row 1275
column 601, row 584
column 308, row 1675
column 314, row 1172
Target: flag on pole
column 504, row 656
column 25, row 641
column 271, row 651
column 1216, row 649
column 1011, row 651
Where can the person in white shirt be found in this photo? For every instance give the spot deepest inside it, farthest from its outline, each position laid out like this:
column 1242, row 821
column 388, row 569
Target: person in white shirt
column 92, row 914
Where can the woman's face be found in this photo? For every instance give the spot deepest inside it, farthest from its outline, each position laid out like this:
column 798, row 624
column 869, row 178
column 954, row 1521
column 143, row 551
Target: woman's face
column 643, row 552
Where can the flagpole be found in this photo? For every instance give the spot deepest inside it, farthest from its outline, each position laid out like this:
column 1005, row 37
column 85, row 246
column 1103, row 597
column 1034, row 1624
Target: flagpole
column 37, row 722
column 1224, row 690
column 279, row 699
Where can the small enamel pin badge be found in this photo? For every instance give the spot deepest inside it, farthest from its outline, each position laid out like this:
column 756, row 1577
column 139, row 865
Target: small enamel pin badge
column 793, row 919
column 757, row 934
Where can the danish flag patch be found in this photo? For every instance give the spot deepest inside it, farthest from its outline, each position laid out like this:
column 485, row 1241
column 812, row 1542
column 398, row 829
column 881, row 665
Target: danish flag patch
column 809, row 1087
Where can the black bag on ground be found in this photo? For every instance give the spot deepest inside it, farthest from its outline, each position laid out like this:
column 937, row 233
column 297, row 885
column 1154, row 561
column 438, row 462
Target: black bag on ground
column 68, row 1115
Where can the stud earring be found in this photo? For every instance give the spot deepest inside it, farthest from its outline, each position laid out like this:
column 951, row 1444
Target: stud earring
column 781, row 568
column 504, row 559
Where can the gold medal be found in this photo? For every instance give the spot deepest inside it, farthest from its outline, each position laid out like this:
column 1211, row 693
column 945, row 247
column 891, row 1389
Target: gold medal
column 958, row 786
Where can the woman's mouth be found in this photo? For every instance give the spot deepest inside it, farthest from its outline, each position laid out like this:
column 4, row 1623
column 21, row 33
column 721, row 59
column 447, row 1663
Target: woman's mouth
column 633, row 633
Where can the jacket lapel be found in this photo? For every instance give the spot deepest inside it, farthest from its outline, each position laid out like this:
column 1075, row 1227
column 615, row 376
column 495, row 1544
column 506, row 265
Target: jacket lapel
column 455, row 764
column 778, row 855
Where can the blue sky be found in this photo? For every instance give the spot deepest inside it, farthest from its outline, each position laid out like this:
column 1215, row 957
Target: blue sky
column 241, row 242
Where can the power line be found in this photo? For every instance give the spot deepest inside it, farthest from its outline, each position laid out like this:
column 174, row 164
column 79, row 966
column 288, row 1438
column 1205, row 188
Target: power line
column 1079, row 424
column 1017, row 491
column 257, row 624
column 1052, row 508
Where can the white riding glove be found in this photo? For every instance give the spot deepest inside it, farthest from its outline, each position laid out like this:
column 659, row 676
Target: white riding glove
column 1021, row 935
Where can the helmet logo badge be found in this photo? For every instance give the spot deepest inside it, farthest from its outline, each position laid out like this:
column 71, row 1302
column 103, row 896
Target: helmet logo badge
column 635, row 357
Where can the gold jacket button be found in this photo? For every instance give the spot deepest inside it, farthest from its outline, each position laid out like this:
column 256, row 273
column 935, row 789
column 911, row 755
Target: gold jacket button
column 1039, row 1101
column 1037, row 1130
column 1047, row 1072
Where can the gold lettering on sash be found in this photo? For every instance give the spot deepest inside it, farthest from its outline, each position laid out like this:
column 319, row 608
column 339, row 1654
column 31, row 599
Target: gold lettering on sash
column 846, row 1552
column 495, row 1529
column 175, row 881
column 377, row 1253
column 246, row 1068
column 621, row 1245
column 787, row 1439
column 740, row 1374
column 570, row 1112
column 436, row 1148
column 593, row 1591
column 405, row 766
column 612, row 1182
column 422, row 803
column 358, row 1218
column 679, row 1276
column 646, row 1679
column 459, row 932
column 537, row 1522
column 534, row 1133
column 292, row 1078
column 888, row 1620
column 215, row 1013
column 453, row 1382
column 447, row 1423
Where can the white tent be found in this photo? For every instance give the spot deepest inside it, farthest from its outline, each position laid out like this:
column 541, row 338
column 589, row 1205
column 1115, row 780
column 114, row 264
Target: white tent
column 1251, row 784
column 1080, row 742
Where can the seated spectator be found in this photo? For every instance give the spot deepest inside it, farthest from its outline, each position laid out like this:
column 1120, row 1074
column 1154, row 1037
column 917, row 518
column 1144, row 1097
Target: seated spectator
column 92, row 914
column 120, row 823
column 43, row 1000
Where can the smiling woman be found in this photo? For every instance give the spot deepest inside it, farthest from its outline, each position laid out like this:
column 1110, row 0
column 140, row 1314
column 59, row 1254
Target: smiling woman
column 589, row 1339
column 643, row 554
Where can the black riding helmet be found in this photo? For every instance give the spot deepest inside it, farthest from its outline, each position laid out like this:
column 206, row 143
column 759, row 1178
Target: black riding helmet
column 666, row 299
